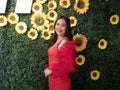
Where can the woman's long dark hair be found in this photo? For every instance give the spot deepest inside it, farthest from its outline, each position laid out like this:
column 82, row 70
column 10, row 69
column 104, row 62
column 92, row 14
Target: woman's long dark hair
column 68, row 33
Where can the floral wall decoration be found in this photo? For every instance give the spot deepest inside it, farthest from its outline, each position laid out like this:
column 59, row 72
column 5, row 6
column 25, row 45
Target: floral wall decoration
column 41, row 20
column 24, row 39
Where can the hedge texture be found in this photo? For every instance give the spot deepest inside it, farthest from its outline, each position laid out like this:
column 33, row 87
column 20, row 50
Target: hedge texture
column 22, row 59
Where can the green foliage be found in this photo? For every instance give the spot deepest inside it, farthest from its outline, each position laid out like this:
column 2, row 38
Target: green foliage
column 22, row 60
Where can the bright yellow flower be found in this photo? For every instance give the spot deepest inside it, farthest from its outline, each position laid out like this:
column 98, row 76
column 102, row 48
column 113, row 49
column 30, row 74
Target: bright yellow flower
column 32, row 34
column 102, row 44
column 39, row 20
column 52, row 15
column 41, row 1
column 114, row 19
column 37, row 7
column 81, row 6
column 95, row 74
column 73, row 21
column 51, row 28
column 80, row 60
column 3, row 21
column 81, row 42
column 21, row 27
column 52, row 5
column 64, row 3
column 13, row 18
column 45, row 34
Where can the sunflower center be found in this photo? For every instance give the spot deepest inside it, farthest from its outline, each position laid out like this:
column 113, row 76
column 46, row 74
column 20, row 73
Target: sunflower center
column 39, row 21
column 1, row 20
column 46, row 34
column 113, row 19
column 94, row 74
column 81, row 4
column 72, row 21
column 51, row 5
column 21, row 28
column 79, row 60
column 51, row 14
column 78, row 42
column 36, row 7
column 32, row 34
column 102, row 43
column 64, row 3
column 12, row 18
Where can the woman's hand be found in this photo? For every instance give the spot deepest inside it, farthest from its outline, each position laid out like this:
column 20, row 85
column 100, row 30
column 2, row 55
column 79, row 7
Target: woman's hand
column 47, row 72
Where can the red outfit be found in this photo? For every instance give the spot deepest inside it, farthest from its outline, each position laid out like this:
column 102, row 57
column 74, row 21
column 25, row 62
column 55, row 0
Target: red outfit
column 61, row 62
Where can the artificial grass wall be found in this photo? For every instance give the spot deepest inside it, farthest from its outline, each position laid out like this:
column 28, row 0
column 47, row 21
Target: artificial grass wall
column 22, row 59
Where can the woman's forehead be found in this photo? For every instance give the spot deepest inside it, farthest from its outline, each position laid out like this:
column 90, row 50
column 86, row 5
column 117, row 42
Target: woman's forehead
column 61, row 21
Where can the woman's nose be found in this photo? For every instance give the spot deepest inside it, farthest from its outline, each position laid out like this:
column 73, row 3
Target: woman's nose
column 59, row 27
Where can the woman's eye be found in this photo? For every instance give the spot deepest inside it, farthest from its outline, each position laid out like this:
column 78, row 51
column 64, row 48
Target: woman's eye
column 63, row 25
column 57, row 24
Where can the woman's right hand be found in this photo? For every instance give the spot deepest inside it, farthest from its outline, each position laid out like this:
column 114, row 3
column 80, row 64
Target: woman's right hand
column 47, row 72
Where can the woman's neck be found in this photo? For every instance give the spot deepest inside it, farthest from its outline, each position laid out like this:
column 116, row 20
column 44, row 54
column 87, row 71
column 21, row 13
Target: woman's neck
column 59, row 38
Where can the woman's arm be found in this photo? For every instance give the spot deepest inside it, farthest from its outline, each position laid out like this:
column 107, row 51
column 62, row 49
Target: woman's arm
column 67, row 55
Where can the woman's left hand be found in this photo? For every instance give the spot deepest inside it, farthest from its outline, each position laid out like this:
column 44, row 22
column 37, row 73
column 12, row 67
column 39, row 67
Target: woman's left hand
column 47, row 72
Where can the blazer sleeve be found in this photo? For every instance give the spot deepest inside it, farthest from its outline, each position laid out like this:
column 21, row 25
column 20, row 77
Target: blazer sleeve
column 67, row 64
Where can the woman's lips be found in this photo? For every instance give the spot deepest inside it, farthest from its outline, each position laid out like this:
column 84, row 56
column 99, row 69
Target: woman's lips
column 59, row 30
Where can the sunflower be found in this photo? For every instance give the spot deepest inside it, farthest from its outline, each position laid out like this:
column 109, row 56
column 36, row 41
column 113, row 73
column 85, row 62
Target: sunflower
column 37, row 7
column 81, row 6
column 95, row 74
column 114, row 19
column 52, row 15
column 64, row 3
column 73, row 21
column 45, row 34
column 102, row 44
column 3, row 21
column 51, row 27
column 81, row 42
column 32, row 34
column 52, row 5
column 21, row 27
column 13, row 18
column 80, row 60
column 39, row 20
column 41, row 1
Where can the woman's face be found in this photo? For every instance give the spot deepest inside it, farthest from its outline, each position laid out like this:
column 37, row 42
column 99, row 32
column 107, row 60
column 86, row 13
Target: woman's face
column 60, row 27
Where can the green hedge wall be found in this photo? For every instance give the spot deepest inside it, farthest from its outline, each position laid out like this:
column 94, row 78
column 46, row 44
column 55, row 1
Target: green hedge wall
column 22, row 60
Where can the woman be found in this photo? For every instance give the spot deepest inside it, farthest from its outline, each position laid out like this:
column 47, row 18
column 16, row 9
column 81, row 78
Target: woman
column 61, row 56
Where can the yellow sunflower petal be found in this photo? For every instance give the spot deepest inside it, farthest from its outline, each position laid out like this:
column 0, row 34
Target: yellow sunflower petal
column 81, row 42
column 39, row 20
column 64, row 3
column 13, row 18
column 80, row 60
column 52, row 5
column 37, row 7
column 32, row 34
column 51, row 28
column 95, row 74
column 73, row 21
column 41, row 1
column 21, row 27
column 3, row 21
column 102, row 44
column 45, row 34
column 81, row 6
column 52, row 15
column 114, row 19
